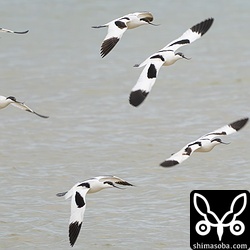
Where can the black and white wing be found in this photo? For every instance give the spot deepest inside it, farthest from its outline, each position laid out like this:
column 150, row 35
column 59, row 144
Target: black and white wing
column 182, row 155
column 116, row 29
column 146, row 80
column 23, row 106
column 78, row 205
column 113, row 179
column 227, row 129
column 190, row 35
column 15, row 32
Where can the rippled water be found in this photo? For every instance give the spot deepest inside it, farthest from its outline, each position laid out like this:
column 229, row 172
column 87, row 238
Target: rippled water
column 92, row 130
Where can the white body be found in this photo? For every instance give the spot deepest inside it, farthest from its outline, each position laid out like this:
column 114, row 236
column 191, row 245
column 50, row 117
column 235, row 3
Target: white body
column 207, row 145
column 168, row 55
column 95, row 186
column 132, row 20
column 4, row 102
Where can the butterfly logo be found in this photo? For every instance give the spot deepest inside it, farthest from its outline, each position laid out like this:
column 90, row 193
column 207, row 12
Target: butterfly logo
column 229, row 219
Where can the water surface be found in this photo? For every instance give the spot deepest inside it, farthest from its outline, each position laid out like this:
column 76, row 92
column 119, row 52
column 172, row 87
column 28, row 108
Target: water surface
column 92, row 130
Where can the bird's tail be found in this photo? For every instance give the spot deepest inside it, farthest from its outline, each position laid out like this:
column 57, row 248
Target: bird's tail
column 99, row 26
column 61, row 194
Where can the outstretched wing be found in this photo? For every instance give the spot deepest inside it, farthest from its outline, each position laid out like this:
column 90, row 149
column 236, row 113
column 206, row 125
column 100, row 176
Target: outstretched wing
column 11, row 31
column 190, row 35
column 182, row 155
column 146, row 80
column 116, row 28
column 227, row 129
column 186, row 151
column 78, row 205
column 23, row 106
column 115, row 31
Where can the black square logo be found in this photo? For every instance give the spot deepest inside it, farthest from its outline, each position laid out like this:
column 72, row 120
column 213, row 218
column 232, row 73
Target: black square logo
column 219, row 219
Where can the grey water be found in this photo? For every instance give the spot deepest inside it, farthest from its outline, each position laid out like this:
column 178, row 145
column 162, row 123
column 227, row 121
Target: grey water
column 57, row 70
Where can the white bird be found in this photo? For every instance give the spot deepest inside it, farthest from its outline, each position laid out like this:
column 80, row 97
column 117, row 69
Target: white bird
column 15, row 32
column 164, row 57
column 205, row 143
column 78, row 202
column 5, row 101
column 117, row 27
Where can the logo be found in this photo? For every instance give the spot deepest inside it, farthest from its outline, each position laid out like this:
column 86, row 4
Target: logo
column 219, row 219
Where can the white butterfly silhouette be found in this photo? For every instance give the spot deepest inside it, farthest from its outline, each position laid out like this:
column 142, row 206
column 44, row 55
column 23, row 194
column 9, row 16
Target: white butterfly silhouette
column 236, row 227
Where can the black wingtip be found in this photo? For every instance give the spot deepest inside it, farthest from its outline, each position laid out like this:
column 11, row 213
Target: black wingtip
column 137, row 97
column 237, row 125
column 74, row 229
column 169, row 163
column 203, row 27
column 21, row 32
column 42, row 116
column 124, row 183
column 108, row 45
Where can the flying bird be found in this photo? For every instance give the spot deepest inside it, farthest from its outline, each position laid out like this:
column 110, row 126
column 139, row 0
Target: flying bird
column 117, row 27
column 15, row 32
column 164, row 57
column 78, row 201
column 205, row 143
column 5, row 101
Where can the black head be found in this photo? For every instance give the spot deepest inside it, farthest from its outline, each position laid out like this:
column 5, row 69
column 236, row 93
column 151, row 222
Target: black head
column 110, row 183
column 148, row 19
column 181, row 55
column 11, row 98
column 218, row 140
